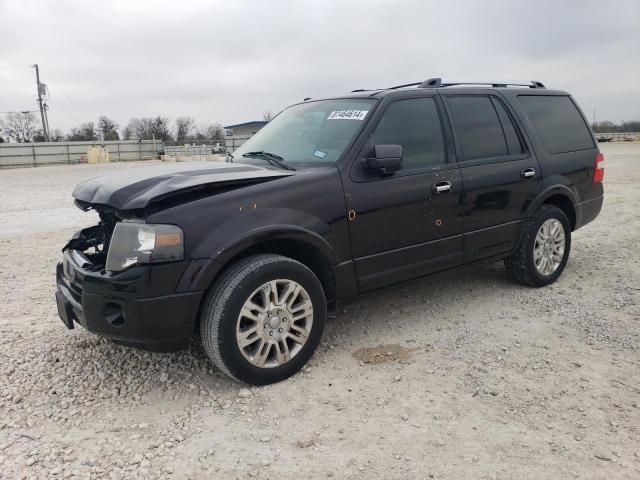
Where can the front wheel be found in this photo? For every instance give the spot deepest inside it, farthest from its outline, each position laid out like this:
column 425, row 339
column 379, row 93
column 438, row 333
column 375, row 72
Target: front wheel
column 263, row 319
column 544, row 249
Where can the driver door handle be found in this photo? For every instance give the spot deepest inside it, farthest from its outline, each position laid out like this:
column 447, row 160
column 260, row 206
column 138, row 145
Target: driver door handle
column 441, row 187
column 528, row 173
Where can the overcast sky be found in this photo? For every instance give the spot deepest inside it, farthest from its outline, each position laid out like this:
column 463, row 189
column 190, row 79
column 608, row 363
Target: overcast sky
column 230, row 61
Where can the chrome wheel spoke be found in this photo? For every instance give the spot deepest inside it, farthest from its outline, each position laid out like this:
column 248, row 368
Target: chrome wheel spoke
column 298, row 334
column 262, row 353
column 249, row 336
column 264, row 296
column 302, row 310
column 290, row 296
column 274, row 292
column 247, row 312
column 282, row 351
column 254, row 306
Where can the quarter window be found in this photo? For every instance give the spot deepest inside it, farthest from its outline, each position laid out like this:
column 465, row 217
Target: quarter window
column 558, row 123
column 414, row 124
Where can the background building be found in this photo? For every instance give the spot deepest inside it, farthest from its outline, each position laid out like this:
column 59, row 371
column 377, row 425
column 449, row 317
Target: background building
column 247, row 128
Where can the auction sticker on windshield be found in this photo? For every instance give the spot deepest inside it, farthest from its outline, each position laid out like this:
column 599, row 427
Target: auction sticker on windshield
column 348, row 115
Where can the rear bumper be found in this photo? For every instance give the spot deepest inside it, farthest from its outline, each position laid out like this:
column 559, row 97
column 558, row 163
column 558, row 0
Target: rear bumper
column 136, row 307
column 587, row 211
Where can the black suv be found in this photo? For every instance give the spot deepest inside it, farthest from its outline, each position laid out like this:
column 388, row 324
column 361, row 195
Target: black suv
column 331, row 199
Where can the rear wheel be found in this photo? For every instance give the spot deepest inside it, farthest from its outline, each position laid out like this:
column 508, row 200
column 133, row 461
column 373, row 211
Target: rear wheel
column 544, row 249
column 263, row 319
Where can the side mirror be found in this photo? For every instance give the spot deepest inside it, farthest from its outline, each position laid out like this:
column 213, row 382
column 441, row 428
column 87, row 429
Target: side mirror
column 387, row 159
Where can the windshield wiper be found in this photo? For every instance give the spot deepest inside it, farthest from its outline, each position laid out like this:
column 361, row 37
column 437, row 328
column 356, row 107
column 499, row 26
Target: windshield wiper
column 272, row 158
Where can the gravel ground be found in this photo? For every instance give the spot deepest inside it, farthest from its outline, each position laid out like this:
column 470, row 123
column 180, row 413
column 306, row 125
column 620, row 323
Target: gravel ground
column 468, row 377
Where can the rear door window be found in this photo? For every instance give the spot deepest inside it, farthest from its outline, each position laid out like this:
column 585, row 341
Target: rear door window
column 479, row 129
column 558, row 123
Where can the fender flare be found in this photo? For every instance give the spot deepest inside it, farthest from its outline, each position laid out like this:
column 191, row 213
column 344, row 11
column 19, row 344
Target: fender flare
column 548, row 193
column 276, row 232
column 539, row 199
column 200, row 274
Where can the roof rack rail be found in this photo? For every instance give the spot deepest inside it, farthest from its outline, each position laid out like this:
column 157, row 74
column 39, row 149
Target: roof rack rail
column 416, row 84
column 387, row 88
column 438, row 83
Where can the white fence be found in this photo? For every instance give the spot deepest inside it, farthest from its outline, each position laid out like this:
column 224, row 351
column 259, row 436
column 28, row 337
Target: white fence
column 190, row 150
column 34, row 154
column 233, row 142
column 47, row 153
column 618, row 136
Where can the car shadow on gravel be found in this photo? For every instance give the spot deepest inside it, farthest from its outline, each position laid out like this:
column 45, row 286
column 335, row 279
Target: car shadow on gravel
column 115, row 371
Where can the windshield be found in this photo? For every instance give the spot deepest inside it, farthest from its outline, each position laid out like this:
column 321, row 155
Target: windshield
column 313, row 133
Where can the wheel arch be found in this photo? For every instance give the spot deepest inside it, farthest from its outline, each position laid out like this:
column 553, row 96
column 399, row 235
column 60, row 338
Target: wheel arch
column 559, row 196
column 302, row 245
column 306, row 247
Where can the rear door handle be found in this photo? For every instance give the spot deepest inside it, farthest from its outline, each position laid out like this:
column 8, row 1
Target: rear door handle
column 441, row 187
column 528, row 173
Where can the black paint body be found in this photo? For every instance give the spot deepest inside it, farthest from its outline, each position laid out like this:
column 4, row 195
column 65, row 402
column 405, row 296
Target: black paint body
column 357, row 230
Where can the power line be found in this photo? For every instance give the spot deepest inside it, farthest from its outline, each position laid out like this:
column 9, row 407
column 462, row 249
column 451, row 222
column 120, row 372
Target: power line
column 10, row 67
column 22, row 111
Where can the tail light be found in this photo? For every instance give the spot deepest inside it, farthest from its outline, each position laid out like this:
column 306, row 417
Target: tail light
column 598, row 172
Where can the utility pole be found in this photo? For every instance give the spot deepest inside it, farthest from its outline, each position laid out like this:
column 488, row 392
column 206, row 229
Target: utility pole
column 46, row 120
column 45, row 129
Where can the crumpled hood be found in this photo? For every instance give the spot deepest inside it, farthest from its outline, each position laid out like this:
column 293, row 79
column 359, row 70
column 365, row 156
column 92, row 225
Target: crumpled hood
column 136, row 188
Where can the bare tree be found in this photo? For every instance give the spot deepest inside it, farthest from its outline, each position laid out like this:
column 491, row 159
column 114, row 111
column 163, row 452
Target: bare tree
column 56, row 135
column 147, row 128
column 609, row 127
column 20, row 126
column 129, row 132
column 107, row 128
column 83, row 132
column 267, row 116
column 39, row 136
column 209, row 131
column 184, row 128
column 157, row 127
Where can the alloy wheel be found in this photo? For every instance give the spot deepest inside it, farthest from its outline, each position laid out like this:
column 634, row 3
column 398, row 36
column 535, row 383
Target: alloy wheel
column 274, row 323
column 548, row 248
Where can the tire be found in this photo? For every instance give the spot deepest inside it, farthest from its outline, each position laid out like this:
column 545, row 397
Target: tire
column 254, row 279
column 521, row 266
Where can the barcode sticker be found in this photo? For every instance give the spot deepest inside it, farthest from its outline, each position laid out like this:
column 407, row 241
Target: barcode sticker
column 348, row 115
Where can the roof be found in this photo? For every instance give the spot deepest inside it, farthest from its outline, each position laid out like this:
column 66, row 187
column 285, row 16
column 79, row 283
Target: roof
column 531, row 87
column 252, row 122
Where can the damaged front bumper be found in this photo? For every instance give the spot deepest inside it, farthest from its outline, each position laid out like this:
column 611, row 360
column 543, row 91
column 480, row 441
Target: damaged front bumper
column 138, row 307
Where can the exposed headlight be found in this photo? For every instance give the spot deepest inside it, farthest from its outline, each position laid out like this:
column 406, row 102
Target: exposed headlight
column 140, row 243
